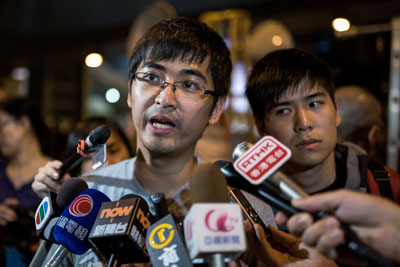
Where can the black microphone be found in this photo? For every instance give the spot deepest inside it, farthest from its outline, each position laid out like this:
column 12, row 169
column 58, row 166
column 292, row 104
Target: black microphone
column 263, row 191
column 214, row 230
column 85, row 148
column 270, row 190
column 120, row 228
column 160, row 204
column 163, row 239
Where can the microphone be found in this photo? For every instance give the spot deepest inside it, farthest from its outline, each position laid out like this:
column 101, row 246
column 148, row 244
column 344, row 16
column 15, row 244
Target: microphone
column 258, row 163
column 52, row 204
column 73, row 226
column 160, row 204
column 93, row 142
column 214, row 231
column 163, row 239
column 119, row 230
column 49, row 210
column 263, row 191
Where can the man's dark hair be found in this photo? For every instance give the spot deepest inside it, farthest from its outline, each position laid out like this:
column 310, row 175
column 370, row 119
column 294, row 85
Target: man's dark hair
column 283, row 70
column 189, row 40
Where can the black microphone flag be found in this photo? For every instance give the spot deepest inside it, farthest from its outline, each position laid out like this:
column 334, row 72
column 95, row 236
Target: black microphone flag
column 120, row 228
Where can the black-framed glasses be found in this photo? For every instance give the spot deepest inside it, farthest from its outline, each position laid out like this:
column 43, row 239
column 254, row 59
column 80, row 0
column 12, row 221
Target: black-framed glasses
column 186, row 89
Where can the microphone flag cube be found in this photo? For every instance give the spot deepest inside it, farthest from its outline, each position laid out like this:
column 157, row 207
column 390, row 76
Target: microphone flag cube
column 73, row 226
column 212, row 228
column 120, row 229
column 45, row 212
column 262, row 160
column 165, row 245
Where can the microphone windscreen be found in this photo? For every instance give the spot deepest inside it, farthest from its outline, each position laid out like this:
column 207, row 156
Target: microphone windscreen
column 100, row 135
column 69, row 190
column 208, row 185
column 75, row 223
column 240, row 149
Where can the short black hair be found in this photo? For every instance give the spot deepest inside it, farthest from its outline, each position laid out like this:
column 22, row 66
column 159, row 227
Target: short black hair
column 189, row 40
column 283, row 70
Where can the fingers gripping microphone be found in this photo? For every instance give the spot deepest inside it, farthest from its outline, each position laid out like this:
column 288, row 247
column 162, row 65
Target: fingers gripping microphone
column 90, row 145
column 120, row 228
column 73, row 226
column 163, row 239
column 213, row 227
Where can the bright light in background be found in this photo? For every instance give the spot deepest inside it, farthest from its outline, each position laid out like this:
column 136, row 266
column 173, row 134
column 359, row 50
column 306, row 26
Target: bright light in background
column 238, row 84
column 20, row 74
column 112, row 95
column 240, row 104
column 94, row 60
column 277, row 40
column 341, row 24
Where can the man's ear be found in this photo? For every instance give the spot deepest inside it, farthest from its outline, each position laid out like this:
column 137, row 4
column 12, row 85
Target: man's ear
column 372, row 134
column 218, row 109
column 260, row 127
column 25, row 123
column 338, row 117
column 128, row 100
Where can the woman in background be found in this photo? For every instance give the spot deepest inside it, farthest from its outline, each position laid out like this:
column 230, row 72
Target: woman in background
column 21, row 129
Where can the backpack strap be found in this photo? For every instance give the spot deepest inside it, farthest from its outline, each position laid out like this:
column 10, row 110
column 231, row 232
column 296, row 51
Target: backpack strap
column 382, row 178
column 363, row 166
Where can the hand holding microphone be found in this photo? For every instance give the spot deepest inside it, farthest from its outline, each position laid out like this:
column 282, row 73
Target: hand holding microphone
column 47, row 179
column 51, row 176
column 281, row 249
column 259, row 163
column 375, row 219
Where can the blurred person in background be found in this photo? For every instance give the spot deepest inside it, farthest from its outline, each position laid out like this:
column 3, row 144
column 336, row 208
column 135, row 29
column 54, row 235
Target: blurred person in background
column 21, row 132
column 361, row 122
column 118, row 148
